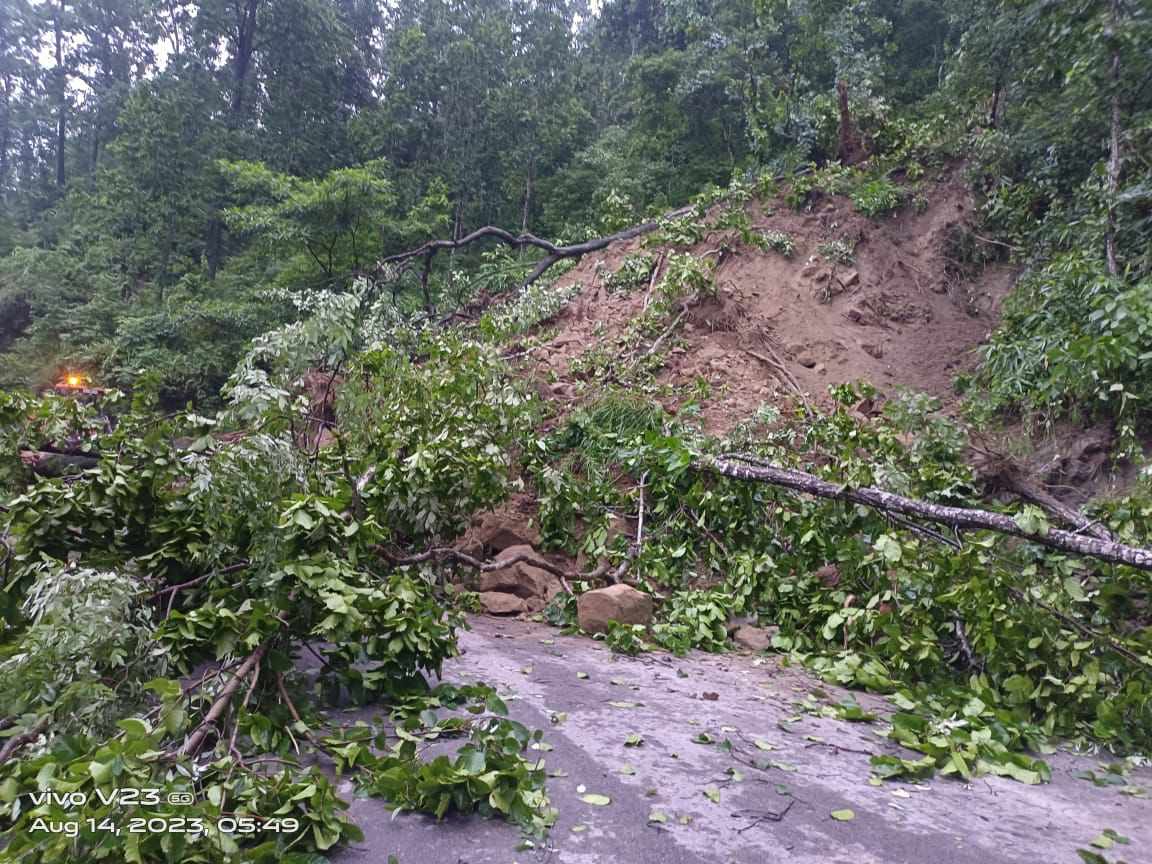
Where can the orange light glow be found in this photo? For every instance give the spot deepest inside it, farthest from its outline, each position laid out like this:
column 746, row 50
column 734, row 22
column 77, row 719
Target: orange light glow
column 73, row 380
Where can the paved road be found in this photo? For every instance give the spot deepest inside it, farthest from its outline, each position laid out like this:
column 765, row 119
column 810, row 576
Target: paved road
column 735, row 697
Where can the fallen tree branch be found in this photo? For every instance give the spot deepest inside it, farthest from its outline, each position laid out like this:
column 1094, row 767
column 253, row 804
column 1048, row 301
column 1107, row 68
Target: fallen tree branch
column 554, row 254
column 1082, row 629
column 667, row 332
column 1004, row 472
column 749, row 468
column 782, row 373
column 13, row 744
column 50, row 463
column 605, row 570
column 173, row 590
column 286, row 700
column 195, row 740
column 653, row 279
column 445, row 553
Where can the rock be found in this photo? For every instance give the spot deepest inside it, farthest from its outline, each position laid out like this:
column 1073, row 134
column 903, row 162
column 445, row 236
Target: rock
column 500, row 531
column 623, row 603
column 807, row 361
column 819, row 368
column 562, row 389
column 850, row 278
column 499, row 603
column 871, row 350
column 829, row 575
column 755, row 638
column 521, row 579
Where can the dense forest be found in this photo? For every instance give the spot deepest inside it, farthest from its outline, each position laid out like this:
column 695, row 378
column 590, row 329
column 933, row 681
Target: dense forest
column 173, row 174
column 294, row 294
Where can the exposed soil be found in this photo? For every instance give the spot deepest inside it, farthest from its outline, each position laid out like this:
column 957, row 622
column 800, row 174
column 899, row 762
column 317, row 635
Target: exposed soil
column 898, row 316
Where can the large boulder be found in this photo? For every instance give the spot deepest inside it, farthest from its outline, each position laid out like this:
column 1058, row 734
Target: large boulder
column 623, row 603
column 504, row 530
column 754, row 638
column 500, row 603
column 522, row 579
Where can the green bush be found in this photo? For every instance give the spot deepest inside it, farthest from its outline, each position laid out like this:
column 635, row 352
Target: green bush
column 877, row 197
column 1072, row 340
column 777, row 241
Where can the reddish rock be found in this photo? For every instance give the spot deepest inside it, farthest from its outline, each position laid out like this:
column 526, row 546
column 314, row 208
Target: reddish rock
column 829, row 575
column 521, row 579
column 500, row 531
column 500, row 603
column 754, row 638
column 623, row 603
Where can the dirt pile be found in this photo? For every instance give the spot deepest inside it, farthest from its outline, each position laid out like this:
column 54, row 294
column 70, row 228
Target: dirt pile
column 858, row 299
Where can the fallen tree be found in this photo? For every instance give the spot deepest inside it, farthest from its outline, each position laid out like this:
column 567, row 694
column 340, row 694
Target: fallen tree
column 749, row 468
column 52, row 463
column 554, row 253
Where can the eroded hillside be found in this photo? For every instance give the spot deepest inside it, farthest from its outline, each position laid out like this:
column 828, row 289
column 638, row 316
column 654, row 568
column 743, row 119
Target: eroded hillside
column 883, row 300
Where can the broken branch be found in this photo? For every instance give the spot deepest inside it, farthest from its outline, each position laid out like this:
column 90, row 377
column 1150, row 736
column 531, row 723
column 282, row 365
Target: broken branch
column 748, row 468
column 554, row 254
column 195, row 741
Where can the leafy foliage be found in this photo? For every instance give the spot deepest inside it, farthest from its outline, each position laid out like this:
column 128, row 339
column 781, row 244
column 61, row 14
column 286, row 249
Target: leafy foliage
column 877, row 197
column 229, row 556
column 778, row 241
column 988, row 648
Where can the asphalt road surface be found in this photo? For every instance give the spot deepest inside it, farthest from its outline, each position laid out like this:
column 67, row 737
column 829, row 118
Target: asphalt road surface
column 718, row 807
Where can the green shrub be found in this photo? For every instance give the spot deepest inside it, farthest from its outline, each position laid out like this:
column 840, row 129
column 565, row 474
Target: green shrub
column 877, row 197
column 634, row 270
column 777, row 241
column 626, row 638
column 838, row 251
column 1072, row 340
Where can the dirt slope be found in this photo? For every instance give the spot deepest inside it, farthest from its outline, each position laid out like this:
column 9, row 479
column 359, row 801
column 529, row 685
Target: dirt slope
column 898, row 315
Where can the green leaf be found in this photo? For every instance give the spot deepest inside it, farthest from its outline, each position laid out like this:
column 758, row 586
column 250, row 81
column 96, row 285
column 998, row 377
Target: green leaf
column 596, row 800
column 1032, row 520
column 471, row 762
column 844, row 815
column 134, row 727
column 101, row 771
column 889, row 547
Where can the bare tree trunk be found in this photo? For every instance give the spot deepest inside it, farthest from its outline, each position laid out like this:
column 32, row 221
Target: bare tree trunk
column 1114, row 145
column 242, row 59
column 244, row 46
column 994, row 108
column 747, row 468
column 61, row 93
column 5, row 130
column 527, row 200
column 851, row 148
